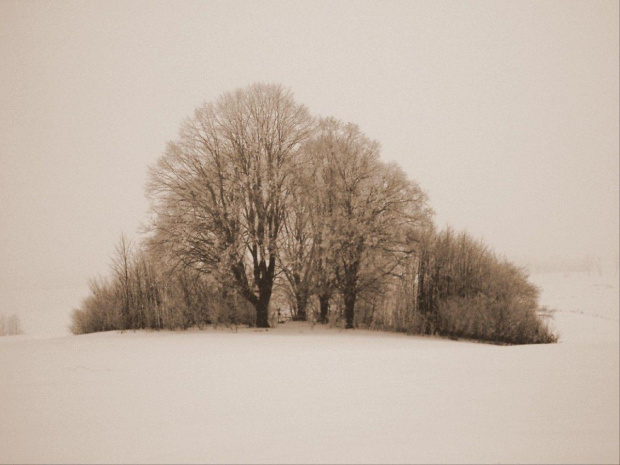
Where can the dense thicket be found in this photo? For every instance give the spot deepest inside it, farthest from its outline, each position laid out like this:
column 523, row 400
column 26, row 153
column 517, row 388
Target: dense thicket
column 257, row 201
column 143, row 292
column 454, row 286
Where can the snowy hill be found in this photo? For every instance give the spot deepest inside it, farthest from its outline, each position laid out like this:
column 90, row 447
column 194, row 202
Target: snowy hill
column 302, row 394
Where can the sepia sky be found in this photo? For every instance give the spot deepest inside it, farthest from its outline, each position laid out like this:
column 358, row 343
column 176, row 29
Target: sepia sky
column 505, row 112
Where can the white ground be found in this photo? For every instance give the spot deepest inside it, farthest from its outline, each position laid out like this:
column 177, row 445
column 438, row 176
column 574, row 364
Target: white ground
column 296, row 394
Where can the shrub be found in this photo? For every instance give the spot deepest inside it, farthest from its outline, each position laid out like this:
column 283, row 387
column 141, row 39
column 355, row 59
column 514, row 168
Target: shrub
column 483, row 319
column 143, row 293
column 10, row 326
column 455, row 287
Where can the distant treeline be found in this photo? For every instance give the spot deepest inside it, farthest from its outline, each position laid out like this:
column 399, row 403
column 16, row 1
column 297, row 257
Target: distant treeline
column 259, row 209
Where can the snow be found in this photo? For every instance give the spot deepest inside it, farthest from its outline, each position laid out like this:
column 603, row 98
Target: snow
column 302, row 394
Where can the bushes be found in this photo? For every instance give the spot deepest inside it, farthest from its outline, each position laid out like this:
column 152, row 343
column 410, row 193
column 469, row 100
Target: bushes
column 455, row 287
column 484, row 319
column 10, row 326
column 144, row 293
column 171, row 303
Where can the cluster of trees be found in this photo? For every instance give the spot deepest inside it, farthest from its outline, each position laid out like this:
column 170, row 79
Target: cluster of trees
column 10, row 325
column 257, row 200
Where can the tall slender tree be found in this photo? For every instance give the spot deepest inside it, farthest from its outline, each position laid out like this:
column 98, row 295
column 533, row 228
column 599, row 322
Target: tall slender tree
column 298, row 245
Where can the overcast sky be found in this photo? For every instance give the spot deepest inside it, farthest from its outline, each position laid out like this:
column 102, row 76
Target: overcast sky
column 506, row 113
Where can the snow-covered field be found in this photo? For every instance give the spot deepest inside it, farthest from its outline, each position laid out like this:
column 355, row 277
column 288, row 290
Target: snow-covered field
column 301, row 394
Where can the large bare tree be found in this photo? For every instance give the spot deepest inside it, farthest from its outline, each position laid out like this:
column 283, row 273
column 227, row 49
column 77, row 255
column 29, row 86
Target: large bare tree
column 219, row 192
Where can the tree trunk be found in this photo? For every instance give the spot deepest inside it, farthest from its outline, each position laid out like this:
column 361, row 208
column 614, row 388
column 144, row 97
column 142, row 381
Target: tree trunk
column 349, row 308
column 301, row 309
column 262, row 307
column 302, row 304
column 324, row 306
column 262, row 313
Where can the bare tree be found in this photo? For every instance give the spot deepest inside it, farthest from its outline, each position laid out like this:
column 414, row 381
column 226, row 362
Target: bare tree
column 219, row 192
column 320, row 194
column 298, row 247
column 121, row 267
column 374, row 210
